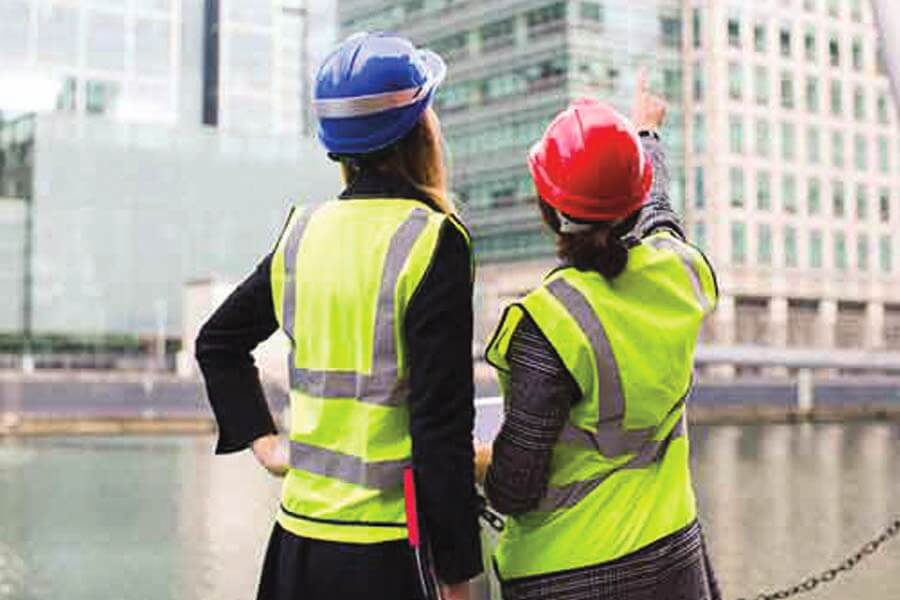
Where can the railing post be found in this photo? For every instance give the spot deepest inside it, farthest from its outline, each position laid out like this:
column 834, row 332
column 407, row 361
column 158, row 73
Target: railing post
column 804, row 391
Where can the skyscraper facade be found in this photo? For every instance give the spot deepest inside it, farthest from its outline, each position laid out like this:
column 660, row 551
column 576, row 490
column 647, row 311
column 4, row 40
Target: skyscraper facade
column 240, row 65
column 100, row 57
column 792, row 169
column 257, row 56
column 782, row 137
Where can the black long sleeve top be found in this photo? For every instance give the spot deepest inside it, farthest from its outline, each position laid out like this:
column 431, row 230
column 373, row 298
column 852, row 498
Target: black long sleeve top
column 438, row 334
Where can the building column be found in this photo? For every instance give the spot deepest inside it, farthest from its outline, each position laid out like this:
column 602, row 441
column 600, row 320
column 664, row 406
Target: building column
column 874, row 337
column 777, row 332
column 724, row 324
column 826, row 324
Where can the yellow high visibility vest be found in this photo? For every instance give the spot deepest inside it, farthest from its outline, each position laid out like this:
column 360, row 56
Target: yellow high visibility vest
column 619, row 474
column 343, row 274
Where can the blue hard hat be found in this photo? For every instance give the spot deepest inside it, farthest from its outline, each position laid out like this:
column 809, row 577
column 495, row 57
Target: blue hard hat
column 372, row 90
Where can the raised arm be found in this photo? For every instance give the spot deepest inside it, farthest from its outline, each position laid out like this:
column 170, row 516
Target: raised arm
column 648, row 114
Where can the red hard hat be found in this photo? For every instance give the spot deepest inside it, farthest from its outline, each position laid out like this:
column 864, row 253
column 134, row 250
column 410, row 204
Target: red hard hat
column 589, row 164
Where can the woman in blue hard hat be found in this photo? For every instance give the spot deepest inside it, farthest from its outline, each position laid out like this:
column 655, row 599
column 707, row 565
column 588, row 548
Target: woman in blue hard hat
column 374, row 291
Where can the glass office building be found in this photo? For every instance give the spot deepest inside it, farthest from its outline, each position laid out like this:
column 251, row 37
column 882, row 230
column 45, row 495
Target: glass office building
column 513, row 65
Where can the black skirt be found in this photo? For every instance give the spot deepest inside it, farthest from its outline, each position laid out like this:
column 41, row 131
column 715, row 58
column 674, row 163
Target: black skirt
column 299, row 568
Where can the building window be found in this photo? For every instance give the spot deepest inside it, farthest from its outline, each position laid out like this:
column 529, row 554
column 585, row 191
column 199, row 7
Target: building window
column 862, row 202
column 699, row 188
column 837, row 98
column 885, row 256
column 856, row 10
column 736, row 134
column 809, row 5
column 763, row 190
column 759, row 37
column 809, row 46
column 591, row 12
column 860, row 152
column 882, row 108
column 788, row 144
column 498, row 34
column 547, row 19
column 790, row 247
column 812, row 94
column 761, row 84
column 699, row 133
column 859, row 103
column 837, row 149
column 670, row 28
column 787, row 90
column 815, row 249
column 884, row 205
column 738, row 243
column 763, row 137
column 862, row 252
column 837, row 199
column 697, row 26
column 840, row 251
column 813, row 145
column 101, row 96
column 734, row 32
column 813, row 197
column 834, row 52
column 884, row 155
column 735, row 81
column 736, row 183
column 698, row 81
column 672, row 84
column 764, row 244
column 784, row 42
column 700, row 235
column 857, row 52
column 834, row 8
column 789, row 194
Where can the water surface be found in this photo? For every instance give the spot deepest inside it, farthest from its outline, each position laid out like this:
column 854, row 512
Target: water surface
column 158, row 518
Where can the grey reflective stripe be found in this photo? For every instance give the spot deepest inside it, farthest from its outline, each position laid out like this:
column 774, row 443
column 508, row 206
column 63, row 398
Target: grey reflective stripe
column 289, row 293
column 611, row 399
column 360, row 106
column 384, row 475
column 383, row 386
column 662, row 243
column 612, row 439
column 569, row 495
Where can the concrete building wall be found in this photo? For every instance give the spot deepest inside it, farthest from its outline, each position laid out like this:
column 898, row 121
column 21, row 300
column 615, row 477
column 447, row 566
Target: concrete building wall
column 12, row 243
column 126, row 214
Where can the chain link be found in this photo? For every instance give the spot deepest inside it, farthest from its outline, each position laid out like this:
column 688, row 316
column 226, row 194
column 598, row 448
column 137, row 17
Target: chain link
column 810, row 583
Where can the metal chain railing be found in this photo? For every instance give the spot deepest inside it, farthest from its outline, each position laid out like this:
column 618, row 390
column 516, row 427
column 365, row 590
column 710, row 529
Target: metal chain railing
column 811, row 583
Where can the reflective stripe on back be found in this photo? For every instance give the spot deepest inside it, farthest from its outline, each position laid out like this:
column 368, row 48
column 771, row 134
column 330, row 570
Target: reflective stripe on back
column 381, row 386
column 611, row 438
column 380, row 475
column 571, row 494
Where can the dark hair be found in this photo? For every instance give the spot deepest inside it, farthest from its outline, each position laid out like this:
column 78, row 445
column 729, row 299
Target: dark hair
column 599, row 248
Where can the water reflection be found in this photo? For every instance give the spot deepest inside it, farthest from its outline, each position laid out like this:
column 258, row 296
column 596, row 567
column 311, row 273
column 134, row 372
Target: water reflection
column 158, row 518
column 782, row 502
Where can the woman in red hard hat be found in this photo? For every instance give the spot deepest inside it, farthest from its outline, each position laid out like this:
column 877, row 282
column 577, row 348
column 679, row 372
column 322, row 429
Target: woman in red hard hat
column 591, row 463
